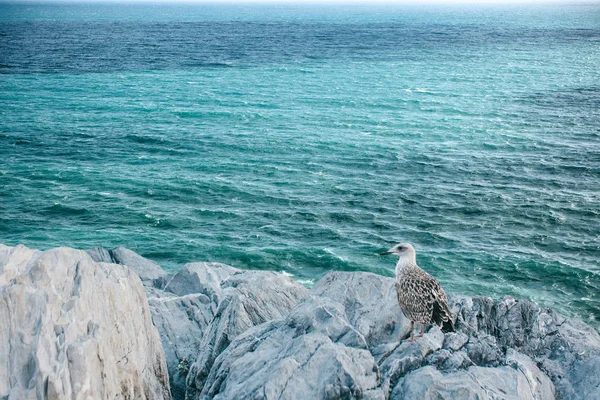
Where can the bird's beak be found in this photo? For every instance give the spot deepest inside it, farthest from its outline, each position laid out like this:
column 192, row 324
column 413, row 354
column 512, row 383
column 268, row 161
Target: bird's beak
column 385, row 252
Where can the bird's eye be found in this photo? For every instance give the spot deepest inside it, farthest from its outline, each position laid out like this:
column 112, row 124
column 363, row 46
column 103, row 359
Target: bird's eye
column 401, row 248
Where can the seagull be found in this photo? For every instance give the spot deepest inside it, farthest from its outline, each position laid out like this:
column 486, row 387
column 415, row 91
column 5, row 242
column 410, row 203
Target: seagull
column 420, row 295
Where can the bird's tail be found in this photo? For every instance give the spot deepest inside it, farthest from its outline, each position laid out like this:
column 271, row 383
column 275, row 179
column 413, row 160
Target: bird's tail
column 448, row 326
column 442, row 316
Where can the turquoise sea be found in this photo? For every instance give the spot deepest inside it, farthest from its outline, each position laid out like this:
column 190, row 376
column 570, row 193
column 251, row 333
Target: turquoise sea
column 305, row 138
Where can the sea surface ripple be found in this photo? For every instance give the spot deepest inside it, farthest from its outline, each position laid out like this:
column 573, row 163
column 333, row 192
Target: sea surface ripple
column 309, row 138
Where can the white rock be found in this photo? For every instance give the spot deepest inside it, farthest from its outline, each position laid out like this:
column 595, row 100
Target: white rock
column 314, row 353
column 75, row 329
column 479, row 383
column 370, row 303
column 245, row 299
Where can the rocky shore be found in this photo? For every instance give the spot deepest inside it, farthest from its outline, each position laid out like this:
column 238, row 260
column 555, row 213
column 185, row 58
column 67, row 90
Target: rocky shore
column 111, row 324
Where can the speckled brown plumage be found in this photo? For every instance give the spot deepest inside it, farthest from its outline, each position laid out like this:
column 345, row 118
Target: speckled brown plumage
column 421, row 297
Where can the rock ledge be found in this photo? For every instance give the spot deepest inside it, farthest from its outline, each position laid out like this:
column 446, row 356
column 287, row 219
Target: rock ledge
column 86, row 325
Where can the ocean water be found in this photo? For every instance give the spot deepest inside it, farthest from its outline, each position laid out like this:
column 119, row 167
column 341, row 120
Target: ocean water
column 309, row 138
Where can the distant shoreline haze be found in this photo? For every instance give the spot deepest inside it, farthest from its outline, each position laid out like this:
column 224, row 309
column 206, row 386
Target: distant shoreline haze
column 313, row 2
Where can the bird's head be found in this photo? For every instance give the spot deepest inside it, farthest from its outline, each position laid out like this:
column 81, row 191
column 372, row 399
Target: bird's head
column 402, row 250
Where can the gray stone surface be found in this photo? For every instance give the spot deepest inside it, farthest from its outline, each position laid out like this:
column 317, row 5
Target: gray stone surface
column 502, row 349
column 147, row 270
column 184, row 311
column 246, row 299
column 475, row 383
column 540, row 386
column 519, row 379
column 408, row 356
column 75, row 328
column 100, row 254
column 181, row 322
column 370, row 304
column 566, row 350
column 201, row 277
column 229, row 333
column 314, row 353
column 205, row 305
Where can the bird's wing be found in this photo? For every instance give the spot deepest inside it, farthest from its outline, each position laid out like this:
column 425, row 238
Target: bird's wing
column 422, row 299
column 441, row 315
column 415, row 297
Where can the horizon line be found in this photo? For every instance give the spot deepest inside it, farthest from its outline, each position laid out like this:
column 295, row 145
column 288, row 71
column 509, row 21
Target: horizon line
column 311, row 2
